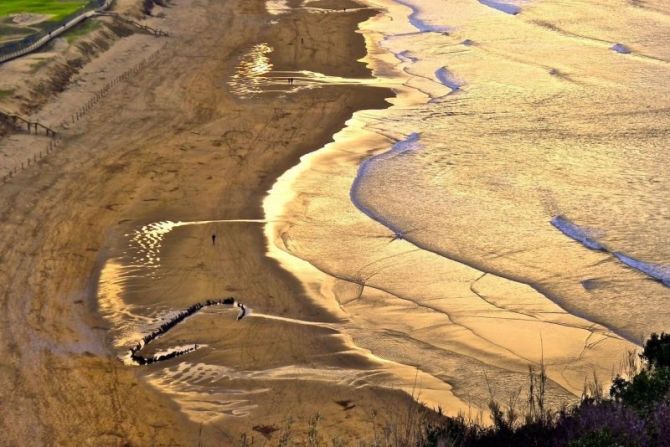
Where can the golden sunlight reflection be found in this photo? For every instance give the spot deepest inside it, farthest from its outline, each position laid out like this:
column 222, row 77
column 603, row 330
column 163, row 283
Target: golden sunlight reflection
column 441, row 269
column 254, row 74
column 248, row 79
column 126, row 323
column 148, row 240
column 213, row 387
column 192, row 386
column 277, row 7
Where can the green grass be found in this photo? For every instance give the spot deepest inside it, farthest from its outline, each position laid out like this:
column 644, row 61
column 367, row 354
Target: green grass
column 57, row 9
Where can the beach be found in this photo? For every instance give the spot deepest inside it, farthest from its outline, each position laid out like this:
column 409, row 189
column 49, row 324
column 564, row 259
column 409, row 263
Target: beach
column 296, row 220
column 172, row 143
column 502, row 217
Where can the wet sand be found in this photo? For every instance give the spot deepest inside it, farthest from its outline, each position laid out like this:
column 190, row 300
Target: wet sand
column 173, row 144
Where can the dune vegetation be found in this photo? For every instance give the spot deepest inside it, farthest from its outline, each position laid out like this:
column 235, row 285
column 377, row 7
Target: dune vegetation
column 634, row 413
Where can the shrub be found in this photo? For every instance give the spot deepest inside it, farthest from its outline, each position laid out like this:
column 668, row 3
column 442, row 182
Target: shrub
column 657, row 350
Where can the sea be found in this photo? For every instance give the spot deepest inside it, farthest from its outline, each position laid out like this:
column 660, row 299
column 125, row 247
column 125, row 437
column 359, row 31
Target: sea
column 509, row 211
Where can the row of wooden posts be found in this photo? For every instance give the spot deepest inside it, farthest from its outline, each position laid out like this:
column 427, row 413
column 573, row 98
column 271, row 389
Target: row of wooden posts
column 79, row 114
column 55, row 140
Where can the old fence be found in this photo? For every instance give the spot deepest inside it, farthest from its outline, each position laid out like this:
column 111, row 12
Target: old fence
column 22, row 124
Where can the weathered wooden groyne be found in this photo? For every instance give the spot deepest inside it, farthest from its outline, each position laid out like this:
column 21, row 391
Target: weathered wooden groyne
column 139, row 359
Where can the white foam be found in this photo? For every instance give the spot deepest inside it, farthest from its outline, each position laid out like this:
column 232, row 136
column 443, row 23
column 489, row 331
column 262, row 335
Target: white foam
column 620, row 48
column 577, row 233
column 484, row 154
column 658, row 272
column 507, row 8
column 447, row 79
column 406, row 56
column 423, row 20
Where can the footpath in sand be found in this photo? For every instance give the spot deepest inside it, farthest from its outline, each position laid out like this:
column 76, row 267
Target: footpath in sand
column 171, row 142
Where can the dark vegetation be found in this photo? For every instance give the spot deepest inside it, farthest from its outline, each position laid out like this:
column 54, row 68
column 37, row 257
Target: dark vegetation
column 635, row 414
column 148, row 5
column 135, row 351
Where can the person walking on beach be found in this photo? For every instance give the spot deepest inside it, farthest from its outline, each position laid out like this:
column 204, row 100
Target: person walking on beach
column 213, row 239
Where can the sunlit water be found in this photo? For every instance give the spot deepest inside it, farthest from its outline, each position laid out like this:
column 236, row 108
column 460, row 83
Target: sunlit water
column 510, row 208
column 255, row 74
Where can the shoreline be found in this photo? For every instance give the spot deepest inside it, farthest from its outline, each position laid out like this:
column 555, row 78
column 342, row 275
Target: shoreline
column 305, row 246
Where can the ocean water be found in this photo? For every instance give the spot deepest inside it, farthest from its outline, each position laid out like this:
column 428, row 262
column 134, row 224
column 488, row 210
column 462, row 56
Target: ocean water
column 510, row 208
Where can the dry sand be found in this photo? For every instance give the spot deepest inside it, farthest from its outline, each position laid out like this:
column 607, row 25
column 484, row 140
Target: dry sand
column 171, row 143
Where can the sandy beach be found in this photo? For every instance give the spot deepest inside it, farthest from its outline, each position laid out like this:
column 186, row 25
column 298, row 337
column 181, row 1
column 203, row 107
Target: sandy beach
column 293, row 222
column 173, row 143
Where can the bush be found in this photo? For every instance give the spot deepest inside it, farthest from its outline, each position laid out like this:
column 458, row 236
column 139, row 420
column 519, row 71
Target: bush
column 602, row 438
column 657, row 350
column 643, row 391
column 637, row 415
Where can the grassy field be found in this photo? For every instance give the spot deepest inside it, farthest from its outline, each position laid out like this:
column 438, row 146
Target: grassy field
column 57, row 9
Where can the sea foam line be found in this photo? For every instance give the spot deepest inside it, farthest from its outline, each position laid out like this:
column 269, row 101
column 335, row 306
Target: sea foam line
column 660, row 273
column 447, row 79
column 502, row 7
column 565, row 226
column 406, row 145
column 412, row 143
column 420, row 24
